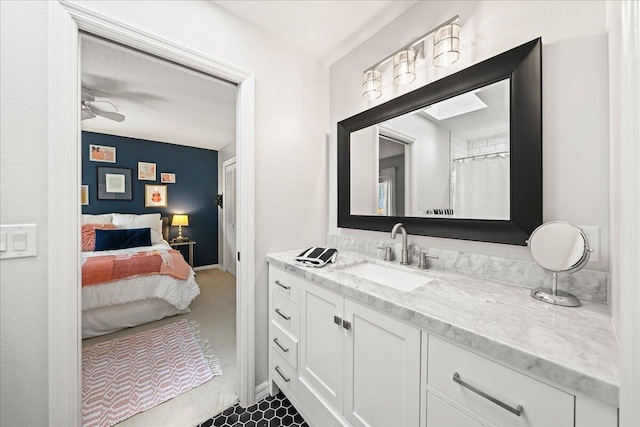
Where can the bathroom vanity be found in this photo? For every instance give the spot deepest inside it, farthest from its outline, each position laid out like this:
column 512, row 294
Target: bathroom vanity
column 451, row 350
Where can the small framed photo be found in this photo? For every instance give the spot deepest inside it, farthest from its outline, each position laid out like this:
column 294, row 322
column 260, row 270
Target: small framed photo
column 146, row 171
column 114, row 184
column 168, row 178
column 84, row 195
column 102, row 153
column 155, row 196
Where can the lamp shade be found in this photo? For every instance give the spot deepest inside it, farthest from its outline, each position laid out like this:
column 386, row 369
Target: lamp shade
column 404, row 67
column 372, row 84
column 180, row 220
column 446, row 45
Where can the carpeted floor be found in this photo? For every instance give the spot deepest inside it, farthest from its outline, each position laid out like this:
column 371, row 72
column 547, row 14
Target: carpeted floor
column 215, row 311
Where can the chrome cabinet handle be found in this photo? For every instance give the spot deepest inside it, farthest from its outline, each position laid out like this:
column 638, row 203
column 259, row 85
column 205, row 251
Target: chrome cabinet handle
column 282, row 375
column 284, row 316
column 346, row 324
column 517, row 410
column 337, row 320
column 285, row 349
column 282, row 286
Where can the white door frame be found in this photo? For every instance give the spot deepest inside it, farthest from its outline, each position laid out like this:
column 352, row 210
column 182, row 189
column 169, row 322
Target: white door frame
column 64, row 271
column 225, row 261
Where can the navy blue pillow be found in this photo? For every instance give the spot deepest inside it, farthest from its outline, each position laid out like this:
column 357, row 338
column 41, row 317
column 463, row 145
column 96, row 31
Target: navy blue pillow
column 108, row 240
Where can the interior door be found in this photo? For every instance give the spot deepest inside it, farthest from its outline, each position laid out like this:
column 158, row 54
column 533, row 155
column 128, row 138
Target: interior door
column 229, row 226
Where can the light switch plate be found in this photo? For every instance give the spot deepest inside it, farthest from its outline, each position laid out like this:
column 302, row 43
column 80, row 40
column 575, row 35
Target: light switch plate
column 593, row 240
column 21, row 240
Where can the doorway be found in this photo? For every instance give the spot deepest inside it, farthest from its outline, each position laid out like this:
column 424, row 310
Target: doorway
column 66, row 21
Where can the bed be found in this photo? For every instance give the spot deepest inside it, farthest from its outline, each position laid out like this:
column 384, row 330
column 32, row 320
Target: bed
column 128, row 299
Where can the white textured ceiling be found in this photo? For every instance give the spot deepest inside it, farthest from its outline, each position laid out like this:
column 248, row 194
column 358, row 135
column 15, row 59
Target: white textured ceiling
column 161, row 101
column 327, row 30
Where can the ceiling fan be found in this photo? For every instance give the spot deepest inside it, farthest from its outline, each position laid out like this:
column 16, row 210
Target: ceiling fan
column 89, row 111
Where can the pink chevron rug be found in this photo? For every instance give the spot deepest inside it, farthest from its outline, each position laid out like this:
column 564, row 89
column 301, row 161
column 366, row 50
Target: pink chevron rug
column 128, row 375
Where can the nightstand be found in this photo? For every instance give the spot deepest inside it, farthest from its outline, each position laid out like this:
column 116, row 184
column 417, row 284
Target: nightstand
column 189, row 243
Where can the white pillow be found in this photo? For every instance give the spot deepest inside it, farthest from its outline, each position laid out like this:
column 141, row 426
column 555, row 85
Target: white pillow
column 151, row 221
column 97, row 219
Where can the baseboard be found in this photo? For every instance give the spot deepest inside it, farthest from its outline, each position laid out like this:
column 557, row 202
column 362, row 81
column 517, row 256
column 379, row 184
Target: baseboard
column 206, row 267
column 262, row 391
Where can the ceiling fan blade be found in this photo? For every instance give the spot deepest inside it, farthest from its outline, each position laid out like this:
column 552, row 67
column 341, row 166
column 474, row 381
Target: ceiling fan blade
column 87, row 95
column 86, row 113
column 109, row 115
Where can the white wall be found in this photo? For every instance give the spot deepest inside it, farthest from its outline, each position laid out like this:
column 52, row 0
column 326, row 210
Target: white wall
column 23, row 199
column 575, row 99
column 224, row 154
column 291, row 120
column 430, row 161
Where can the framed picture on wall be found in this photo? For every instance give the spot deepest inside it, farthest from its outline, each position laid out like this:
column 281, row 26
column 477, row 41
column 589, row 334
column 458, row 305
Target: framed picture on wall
column 146, row 171
column 155, row 196
column 114, row 183
column 84, row 195
column 168, row 178
column 102, row 153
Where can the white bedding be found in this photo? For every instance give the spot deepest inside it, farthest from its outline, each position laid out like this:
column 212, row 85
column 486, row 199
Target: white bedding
column 178, row 293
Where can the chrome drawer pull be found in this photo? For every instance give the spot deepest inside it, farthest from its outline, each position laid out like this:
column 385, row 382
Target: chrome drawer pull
column 284, row 316
column 282, row 375
column 517, row 411
column 285, row 349
column 282, row 286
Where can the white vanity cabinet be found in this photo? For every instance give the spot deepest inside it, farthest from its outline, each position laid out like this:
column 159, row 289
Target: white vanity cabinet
column 344, row 364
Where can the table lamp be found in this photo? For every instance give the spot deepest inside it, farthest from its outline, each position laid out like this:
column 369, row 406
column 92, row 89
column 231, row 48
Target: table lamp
column 179, row 221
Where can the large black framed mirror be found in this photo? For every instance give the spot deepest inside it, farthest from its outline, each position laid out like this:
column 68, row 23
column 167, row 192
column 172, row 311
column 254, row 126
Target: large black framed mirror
column 459, row 158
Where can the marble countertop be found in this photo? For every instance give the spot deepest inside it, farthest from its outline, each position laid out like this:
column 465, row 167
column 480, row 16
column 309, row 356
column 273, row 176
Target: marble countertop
column 573, row 347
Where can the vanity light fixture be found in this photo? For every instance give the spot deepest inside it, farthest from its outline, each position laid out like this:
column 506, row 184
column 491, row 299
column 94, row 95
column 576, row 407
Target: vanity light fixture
column 446, row 45
column 446, row 51
column 404, row 67
column 372, row 84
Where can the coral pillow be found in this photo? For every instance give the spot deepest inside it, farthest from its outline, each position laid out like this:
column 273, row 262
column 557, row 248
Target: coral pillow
column 89, row 235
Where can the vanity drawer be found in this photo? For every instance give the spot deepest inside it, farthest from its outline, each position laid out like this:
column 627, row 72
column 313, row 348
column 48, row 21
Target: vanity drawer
column 285, row 313
column 284, row 283
column 284, row 344
column 441, row 414
column 284, row 375
column 542, row 405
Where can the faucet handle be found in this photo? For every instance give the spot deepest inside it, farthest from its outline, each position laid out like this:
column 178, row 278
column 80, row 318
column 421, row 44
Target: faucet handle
column 387, row 252
column 422, row 261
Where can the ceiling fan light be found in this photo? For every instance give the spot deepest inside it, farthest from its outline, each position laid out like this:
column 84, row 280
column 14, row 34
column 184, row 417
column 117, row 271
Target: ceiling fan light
column 404, row 67
column 372, row 84
column 446, row 45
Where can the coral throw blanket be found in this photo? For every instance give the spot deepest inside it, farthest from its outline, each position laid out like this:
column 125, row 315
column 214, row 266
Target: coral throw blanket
column 108, row 268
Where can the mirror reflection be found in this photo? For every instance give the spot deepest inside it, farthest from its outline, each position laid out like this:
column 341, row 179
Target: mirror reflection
column 448, row 160
column 558, row 246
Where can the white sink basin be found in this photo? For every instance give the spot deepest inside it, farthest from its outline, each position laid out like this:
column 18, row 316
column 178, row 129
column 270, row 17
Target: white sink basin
column 388, row 276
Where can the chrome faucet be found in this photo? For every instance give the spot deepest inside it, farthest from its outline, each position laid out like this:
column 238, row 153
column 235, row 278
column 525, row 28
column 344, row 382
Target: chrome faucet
column 405, row 250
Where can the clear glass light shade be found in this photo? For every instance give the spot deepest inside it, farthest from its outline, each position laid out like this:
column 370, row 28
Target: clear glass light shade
column 404, row 67
column 446, row 45
column 372, row 84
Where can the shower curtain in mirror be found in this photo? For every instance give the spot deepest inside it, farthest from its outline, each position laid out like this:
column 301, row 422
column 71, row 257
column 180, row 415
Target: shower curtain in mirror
column 482, row 188
column 387, row 192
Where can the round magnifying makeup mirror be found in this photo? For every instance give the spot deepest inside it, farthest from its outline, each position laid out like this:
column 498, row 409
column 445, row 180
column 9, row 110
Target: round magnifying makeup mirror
column 558, row 247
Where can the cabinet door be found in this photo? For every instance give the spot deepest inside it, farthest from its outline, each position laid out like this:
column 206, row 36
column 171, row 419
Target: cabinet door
column 382, row 369
column 322, row 343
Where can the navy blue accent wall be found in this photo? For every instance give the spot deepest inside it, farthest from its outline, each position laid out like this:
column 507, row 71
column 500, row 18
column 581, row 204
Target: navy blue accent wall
column 193, row 193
